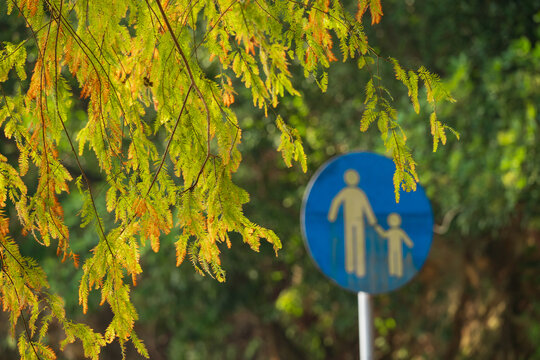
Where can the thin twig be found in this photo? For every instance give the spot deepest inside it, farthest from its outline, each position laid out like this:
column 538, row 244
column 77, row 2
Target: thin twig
column 193, row 82
column 86, row 180
column 26, row 328
column 170, row 140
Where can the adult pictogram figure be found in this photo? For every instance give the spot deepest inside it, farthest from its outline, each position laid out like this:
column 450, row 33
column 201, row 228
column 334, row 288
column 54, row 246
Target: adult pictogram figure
column 356, row 208
column 396, row 237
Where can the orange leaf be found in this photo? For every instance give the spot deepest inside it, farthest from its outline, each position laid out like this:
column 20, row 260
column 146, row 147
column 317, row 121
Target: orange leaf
column 154, row 242
column 375, row 9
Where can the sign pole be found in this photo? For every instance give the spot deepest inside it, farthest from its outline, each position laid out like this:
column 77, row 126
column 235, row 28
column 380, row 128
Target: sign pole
column 365, row 326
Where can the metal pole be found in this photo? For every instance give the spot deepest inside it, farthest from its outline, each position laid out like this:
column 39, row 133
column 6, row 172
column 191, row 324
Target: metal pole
column 365, row 326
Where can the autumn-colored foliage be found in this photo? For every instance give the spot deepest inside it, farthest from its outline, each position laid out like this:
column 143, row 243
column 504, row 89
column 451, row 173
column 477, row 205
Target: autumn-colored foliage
column 148, row 71
column 375, row 9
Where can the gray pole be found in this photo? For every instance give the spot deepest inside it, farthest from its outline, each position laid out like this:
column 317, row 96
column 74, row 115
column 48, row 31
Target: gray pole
column 365, row 326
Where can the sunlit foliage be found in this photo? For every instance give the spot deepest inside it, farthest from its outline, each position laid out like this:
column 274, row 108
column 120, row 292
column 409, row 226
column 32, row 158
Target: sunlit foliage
column 158, row 79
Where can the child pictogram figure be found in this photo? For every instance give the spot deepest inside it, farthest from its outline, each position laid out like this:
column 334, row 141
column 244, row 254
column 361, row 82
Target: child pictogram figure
column 356, row 208
column 396, row 236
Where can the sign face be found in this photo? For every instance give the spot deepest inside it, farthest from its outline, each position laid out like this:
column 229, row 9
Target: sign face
column 356, row 232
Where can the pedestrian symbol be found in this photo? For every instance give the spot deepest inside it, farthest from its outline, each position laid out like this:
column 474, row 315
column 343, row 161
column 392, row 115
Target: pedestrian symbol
column 356, row 232
column 395, row 236
column 355, row 207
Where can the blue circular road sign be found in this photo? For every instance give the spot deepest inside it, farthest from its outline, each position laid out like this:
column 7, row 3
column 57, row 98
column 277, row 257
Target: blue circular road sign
column 356, row 232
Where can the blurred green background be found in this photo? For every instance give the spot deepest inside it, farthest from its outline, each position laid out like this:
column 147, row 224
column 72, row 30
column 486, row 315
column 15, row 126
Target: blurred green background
column 477, row 296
